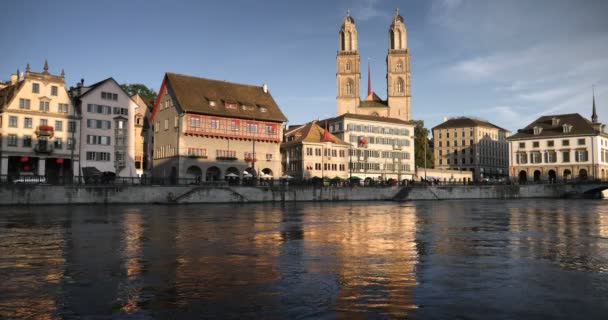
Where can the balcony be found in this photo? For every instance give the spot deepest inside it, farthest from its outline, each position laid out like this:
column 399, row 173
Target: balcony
column 44, row 147
column 45, row 131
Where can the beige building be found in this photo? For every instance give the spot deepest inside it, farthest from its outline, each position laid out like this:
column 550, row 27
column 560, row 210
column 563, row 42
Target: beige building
column 473, row 145
column 348, row 74
column 209, row 130
column 310, row 151
column 38, row 126
column 380, row 148
column 143, row 134
column 560, row 147
column 107, row 132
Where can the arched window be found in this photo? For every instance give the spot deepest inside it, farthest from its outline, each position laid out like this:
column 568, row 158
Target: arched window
column 399, row 86
column 392, row 37
column 399, row 65
column 350, row 41
column 398, row 40
column 348, row 66
column 342, row 41
column 349, row 88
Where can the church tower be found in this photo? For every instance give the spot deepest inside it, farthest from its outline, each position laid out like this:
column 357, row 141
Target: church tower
column 398, row 70
column 348, row 74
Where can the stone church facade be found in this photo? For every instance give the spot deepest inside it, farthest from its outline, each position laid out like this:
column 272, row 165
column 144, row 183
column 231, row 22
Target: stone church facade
column 348, row 74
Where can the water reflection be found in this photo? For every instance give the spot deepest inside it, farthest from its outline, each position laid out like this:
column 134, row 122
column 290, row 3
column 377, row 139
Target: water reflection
column 467, row 259
column 32, row 262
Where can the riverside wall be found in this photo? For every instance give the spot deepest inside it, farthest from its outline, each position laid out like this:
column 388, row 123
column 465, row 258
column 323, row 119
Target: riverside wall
column 46, row 194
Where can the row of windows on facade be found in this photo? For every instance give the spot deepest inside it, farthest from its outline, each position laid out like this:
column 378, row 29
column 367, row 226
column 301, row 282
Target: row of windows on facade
column 26, row 142
column 43, row 106
column 169, row 151
column 195, row 123
column 103, row 109
column 327, row 152
column 104, row 124
column 28, row 123
column 378, row 167
column 98, row 156
column 491, row 135
column 481, row 152
column 483, row 143
column 551, row 157
column 482, row 161
column 551, row 143
column 380, row 140
column 36, row 89
column 321, row 166
column 295, row 153
column 370, row 129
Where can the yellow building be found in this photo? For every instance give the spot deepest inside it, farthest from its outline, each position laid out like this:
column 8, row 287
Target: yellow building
column 471, row 145
column 39, row 128
column 311, row 151
column 143, row 134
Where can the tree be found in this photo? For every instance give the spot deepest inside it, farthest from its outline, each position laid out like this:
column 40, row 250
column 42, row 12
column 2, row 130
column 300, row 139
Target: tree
column 421, row 140
column 141, row 89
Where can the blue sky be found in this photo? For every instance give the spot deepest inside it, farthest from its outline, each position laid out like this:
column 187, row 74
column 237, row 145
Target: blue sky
column 507, row 62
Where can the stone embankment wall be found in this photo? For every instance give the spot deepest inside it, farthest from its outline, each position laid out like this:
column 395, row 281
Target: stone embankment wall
column 41, row 194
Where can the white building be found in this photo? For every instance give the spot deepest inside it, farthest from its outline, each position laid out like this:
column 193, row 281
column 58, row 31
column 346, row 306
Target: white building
column 559, row 147
column 107, row 122
column 382, row 148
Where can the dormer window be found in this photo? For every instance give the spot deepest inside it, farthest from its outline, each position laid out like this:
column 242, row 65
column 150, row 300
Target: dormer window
column 537, row 130
column 211, row 103
column 555, row 121
column 263, row 109
column 230, row 105
column 567, row 128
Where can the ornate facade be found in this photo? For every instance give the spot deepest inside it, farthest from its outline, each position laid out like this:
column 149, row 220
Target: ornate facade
column 348, row 74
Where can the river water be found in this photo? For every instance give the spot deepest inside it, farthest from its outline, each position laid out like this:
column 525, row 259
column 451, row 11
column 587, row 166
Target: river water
column 527, row 259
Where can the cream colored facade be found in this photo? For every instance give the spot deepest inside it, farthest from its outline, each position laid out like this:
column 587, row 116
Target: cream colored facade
column 560, row 147
column 471, row 145
column 348, row 74
column 108, row 132
column 381, row 148
column 143, row 136
column 39, row 127
column 304, row 159
column 563, row 158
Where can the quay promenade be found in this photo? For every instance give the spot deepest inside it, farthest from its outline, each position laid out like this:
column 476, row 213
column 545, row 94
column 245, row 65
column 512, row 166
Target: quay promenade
column 40, row 194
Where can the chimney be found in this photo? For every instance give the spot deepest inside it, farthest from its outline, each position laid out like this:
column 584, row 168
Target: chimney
column 14, row 78
column 265, row 88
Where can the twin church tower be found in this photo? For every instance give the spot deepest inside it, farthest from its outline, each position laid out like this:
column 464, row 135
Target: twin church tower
column 348, row 76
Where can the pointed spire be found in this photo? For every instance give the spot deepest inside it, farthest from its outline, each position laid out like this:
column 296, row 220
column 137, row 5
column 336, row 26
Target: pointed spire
column 369, row 79
column 46, row 67
column 348, row 12
column 594, row 114
column 62, row 73
column 27, row 68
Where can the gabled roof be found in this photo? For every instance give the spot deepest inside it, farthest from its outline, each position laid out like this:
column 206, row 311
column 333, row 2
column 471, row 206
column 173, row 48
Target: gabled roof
column 369, row 118
column 195, row 94
column 465, row 122
column 88, row 89
column 580, row 126
column 8, row 93
column 311, row 132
